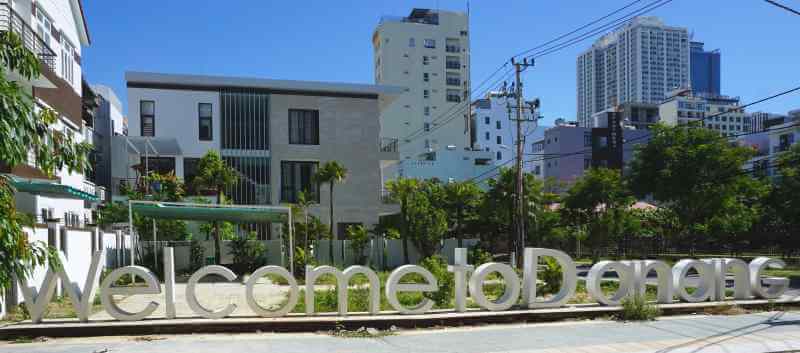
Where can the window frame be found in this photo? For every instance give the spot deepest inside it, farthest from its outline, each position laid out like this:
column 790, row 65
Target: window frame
column 284, row 189
column 142, row 117
column 201, row 118
column 302, row 138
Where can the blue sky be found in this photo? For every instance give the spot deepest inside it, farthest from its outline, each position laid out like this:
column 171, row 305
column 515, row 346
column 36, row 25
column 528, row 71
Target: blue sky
column 327, row 40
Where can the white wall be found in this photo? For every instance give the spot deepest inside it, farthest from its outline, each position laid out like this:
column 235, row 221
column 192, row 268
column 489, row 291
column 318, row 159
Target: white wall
column 176, row 115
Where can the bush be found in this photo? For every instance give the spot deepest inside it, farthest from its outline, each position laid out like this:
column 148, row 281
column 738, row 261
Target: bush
column 550, row 274
column 636, row 308
column 438, row 267
column 248, row 253
column 478, row 256
column 197, row 255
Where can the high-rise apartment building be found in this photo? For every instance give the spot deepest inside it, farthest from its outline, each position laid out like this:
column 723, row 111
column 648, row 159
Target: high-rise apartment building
column 705, row 69
column 640, row 62
column 426, row 52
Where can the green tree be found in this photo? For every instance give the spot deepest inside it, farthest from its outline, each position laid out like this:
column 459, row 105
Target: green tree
column 601, row 201
column 359, row 239
column 427, row 220
column 401, row 191
column 331, row 173
column 498, row 206
column 782, row 213
column 26, row 131
column 462, row 200
column 214, row 174
column 694, row 172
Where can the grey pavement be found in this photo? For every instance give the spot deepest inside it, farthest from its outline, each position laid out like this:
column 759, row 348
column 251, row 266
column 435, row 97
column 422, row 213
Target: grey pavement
column 752, row 333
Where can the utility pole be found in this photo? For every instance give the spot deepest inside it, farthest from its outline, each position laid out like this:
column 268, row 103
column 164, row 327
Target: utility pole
column 519, row 221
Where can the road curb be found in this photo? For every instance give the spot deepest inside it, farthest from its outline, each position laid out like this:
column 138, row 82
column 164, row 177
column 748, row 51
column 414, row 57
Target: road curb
column 327, row 322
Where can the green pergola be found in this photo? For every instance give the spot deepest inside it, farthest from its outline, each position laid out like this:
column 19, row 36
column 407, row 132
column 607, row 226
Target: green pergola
column 210, row 213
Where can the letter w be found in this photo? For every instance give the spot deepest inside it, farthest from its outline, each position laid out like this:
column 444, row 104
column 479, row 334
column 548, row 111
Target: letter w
column 36, row 301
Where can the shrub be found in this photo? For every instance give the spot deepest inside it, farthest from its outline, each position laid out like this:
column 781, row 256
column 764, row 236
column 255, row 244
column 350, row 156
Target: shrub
column 438, row 267
column 478, row 256
column 550, row 274
column 247, row 253
column 197, row 255
column 359, row 240
column 637, row 308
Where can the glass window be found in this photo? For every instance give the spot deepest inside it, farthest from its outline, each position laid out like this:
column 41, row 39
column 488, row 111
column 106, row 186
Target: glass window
column 499, row 155
column 488, row 136
column 487, row 120
column 499, row 139
column 296, row 177
column 160, row 165
column 430, row 43
column 303, row 127
column 147, row 113
column 189, row 173
column 206, row 122
column 498, row 125
column 427, row 111
column 411, row 42
column 426, row 126
column 426, row 76
column 426, row 94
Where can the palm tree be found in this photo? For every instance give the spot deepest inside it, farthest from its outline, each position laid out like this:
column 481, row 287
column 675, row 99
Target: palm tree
column 331, row 173
column 401, row 190
column 462, row 198
column 214, row 174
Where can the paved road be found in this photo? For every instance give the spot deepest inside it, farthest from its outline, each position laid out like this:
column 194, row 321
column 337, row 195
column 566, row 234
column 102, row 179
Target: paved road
column 753, row 333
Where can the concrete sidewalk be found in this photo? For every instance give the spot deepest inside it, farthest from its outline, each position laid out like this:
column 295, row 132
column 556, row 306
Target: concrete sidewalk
column 753, row 333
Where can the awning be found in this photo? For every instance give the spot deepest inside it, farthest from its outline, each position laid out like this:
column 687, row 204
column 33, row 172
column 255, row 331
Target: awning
column 49, row 189
column 207, row 213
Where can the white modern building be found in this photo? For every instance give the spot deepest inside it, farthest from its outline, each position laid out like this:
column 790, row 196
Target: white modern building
column 274, row 133
column 640, row 63
column 719, row 113
column 495, row 128
column 427, row 52
column 56, row 31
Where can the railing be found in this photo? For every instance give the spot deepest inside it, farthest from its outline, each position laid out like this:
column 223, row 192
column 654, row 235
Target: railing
column 100, row 192
column 89, row 187
column 453, row 98
column 453, row 82
column 452, row 49
column 10, row 20
column 388, row 144
column 453, row 65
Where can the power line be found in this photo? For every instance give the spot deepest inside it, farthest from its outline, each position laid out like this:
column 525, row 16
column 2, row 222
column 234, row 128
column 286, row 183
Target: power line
column 578, row 29
column 787, row 8
column 616, row 23
column 448, row 118
column 647, row 135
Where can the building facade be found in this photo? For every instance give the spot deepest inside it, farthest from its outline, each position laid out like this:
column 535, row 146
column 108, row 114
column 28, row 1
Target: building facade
column 274, row 133
column 640, row 63
column 705, row 70
column 567, row 150
column 719, row 113
column 55, row 31
column 426, row 53
column 495, row 130
column 106, row 123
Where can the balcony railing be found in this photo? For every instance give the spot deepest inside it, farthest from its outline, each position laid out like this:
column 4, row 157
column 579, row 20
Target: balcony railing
column 452, row 49
column 389, row 145
column 454, row 82
column 453, row 98
column 453, row 65
column 10, row 20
